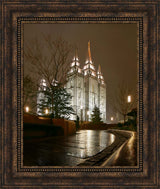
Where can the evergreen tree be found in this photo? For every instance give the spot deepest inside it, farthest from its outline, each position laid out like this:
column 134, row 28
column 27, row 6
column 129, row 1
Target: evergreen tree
column 57, row 101
column 96, row 115
column 132, row 118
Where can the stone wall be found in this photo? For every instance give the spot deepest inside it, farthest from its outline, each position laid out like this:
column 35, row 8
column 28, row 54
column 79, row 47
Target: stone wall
column 41, row 125
column 68, row 126
column 28, row 118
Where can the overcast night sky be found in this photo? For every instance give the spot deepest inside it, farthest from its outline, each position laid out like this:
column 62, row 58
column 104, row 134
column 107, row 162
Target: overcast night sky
column 113, row 46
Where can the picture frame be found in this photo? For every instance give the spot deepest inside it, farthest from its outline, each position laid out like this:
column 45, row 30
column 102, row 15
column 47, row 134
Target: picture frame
column 13, row 16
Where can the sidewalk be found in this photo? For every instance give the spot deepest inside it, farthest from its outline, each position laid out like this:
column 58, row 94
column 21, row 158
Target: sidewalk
column 112, row 155
column 126, row 155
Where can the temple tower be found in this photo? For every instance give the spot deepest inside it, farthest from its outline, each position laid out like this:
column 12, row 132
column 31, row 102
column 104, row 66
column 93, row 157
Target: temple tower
column 101, row 94
column 87, row 88
column 75, row 86
column 90, row 85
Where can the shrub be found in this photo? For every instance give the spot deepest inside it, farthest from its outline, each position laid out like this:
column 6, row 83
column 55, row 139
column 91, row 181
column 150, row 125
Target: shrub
column 120, row 124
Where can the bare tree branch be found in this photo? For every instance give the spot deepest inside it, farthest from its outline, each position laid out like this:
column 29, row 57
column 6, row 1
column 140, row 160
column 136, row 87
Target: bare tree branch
column 119, row 100
column 48, row 58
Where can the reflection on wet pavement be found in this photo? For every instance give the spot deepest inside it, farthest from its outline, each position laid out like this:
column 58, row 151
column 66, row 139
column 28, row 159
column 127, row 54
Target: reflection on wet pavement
column 66, row 151
column 126, row 155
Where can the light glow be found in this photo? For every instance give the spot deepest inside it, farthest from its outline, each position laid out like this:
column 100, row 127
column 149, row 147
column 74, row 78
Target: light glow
column 111, row 118
column 27, row 109
column 93, row 74
column 92, row 67
column 46, row 111
column 72, row 64
column 43, row 81
column 77, row 64
column 75, row 58
column 129, row 98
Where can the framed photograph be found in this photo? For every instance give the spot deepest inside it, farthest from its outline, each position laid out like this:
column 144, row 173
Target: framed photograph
column 79, row 94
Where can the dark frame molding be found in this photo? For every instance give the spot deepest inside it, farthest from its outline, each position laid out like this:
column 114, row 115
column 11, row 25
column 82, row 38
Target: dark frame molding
column 16, row 13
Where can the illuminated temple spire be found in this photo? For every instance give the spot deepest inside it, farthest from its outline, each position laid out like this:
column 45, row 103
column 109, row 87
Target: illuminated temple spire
column 100, row 76
column 89, row 68
column 76, row 55
column 99, row 69
column 75, row 65
column 89, row 52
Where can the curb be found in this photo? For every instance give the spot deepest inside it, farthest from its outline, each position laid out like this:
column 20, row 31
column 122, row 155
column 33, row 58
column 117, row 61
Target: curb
column 120, row 138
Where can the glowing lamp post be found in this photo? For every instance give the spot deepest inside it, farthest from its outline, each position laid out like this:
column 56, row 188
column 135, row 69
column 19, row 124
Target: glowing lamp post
column 111, row 118
column 129, row 98
column 27, row 109
column 46, row 111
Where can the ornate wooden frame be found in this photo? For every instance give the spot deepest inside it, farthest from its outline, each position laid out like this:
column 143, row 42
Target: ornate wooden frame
column 13, row 15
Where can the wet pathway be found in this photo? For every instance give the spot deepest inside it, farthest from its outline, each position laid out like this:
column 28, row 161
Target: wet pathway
column 66, row 151
column 126, row 155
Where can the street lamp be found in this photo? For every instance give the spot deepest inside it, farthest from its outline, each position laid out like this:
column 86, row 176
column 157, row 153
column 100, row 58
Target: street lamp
column 129, row 98
column 27, row 109
column 111, row 118
column 46, row 111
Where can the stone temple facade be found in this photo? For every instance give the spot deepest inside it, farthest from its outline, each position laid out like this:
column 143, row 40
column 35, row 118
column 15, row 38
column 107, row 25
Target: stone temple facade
column 87, row 88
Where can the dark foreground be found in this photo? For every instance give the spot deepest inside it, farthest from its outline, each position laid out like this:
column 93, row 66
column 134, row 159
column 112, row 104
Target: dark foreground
column 66, row 151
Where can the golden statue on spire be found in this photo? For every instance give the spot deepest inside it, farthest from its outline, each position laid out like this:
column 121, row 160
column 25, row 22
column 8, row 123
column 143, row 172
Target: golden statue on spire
column 89, row 51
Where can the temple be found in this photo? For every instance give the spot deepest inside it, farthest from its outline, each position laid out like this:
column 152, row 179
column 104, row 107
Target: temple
column 87, row 88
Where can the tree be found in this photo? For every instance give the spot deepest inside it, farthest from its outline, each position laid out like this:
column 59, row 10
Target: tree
column 133, row 117
column 47, row 58
column 60, row 107
column 96, row 115
column 120, row 103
